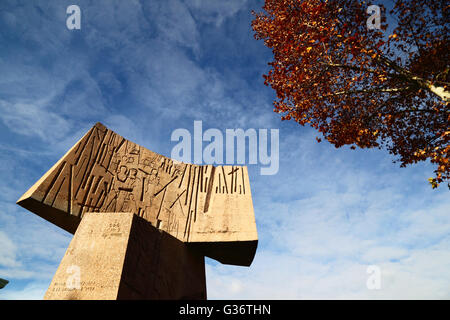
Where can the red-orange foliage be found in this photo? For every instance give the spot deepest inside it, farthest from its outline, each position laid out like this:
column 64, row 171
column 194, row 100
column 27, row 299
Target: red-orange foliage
column 364, row 87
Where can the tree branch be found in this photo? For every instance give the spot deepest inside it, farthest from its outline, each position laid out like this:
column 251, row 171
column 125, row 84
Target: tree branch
column 346, row 66
column 408, row 76
column 366, row 91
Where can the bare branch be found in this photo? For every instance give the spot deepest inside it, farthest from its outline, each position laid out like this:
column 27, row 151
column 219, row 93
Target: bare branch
column 367, row 91
column 346, row 66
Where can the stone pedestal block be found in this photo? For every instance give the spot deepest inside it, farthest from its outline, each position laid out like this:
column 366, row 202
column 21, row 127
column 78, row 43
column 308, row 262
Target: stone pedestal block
column 122, row 256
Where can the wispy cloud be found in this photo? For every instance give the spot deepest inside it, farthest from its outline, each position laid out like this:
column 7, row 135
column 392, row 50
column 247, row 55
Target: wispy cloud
column 32, row 291
column 31, row 120
column 7, row 252
column 215, row 11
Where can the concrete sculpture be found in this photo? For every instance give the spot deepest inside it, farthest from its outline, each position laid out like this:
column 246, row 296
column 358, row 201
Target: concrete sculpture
column 142, row 222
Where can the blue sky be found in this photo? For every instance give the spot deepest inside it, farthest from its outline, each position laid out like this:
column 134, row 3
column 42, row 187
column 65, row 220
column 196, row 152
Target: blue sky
column 146, row 68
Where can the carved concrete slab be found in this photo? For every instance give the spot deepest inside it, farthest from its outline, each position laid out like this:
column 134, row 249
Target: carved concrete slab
column 121, row 256
column 206, row 207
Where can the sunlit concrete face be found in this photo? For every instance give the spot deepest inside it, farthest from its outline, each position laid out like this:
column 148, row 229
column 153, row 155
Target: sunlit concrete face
column 122, row 256
column 208, row 209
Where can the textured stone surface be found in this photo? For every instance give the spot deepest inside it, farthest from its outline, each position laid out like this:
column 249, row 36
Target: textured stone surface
column 104, row 172
column 121, row 256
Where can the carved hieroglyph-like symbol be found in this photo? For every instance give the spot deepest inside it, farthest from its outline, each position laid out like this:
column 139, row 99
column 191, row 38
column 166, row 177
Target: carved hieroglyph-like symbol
column 113, row 230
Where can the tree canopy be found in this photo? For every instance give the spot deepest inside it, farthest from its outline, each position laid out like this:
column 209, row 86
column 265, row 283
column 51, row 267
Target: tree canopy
column 363, row 86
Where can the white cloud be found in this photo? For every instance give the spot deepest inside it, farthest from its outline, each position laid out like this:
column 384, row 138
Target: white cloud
column 16, row 273
column 33, row 121
column 175, row 23
column 215, row 11
column 33, row 291
column 384, row 253
column 7, row 251
column 284, row 276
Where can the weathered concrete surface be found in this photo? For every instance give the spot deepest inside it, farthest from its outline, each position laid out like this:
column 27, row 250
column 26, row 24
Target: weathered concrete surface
column 121, row 256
